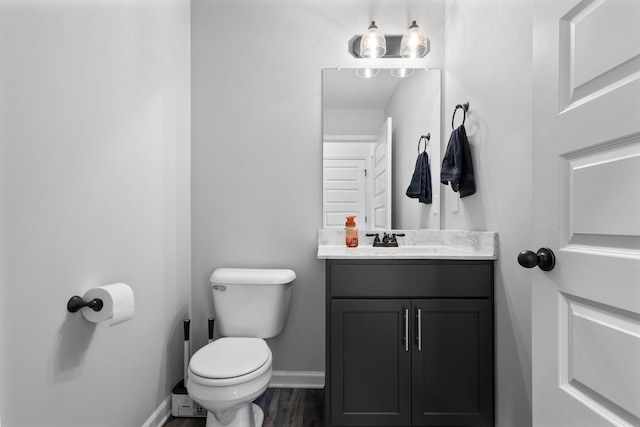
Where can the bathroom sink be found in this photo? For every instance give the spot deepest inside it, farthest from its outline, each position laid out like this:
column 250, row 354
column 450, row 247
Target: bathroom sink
column 407, row 252
column 412, row 244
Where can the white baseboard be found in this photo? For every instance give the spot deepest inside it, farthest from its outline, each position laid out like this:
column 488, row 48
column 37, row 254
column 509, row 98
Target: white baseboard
column 160, row 415
column 297, row 379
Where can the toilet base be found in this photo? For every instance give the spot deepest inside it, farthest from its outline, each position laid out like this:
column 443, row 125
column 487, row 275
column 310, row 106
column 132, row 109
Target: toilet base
column 250, row 415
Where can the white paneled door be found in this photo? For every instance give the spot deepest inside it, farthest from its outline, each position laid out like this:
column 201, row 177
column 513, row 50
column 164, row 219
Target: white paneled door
column 586, row 201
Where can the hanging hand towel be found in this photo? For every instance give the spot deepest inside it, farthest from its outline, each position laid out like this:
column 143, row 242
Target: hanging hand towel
column 420, row 186
column 457, row 167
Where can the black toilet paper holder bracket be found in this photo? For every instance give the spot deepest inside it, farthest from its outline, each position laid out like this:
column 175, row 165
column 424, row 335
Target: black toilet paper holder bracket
column 76, row 303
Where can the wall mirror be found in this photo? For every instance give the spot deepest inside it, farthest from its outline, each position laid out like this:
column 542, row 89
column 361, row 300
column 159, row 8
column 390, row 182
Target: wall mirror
column 371, row 129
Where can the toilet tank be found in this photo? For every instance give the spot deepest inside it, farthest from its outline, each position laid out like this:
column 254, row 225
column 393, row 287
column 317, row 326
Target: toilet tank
column 251, row 302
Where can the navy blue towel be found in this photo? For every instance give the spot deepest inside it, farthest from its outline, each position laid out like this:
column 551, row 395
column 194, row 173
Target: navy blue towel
column 457, row 167
column 420, row 186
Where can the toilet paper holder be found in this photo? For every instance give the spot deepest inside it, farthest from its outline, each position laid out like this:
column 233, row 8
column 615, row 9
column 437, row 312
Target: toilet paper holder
column 76, row 303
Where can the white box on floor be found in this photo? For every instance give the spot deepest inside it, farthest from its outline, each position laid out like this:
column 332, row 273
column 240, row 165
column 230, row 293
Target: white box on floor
column 182, row 405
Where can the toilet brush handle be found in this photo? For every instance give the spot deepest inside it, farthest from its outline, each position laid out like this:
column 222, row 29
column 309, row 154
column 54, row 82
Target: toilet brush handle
column 185, row 326
column 211, row 323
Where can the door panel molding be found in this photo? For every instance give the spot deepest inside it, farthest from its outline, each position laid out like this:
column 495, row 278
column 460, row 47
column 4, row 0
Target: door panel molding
column 586, row 371
column 589, row 67
column 599, row 202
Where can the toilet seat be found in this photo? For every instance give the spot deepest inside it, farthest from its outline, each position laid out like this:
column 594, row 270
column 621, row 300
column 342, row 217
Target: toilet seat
column 228, row 359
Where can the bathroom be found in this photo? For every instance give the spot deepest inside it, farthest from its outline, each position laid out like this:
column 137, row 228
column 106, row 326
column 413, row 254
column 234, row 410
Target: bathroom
column 151, row 142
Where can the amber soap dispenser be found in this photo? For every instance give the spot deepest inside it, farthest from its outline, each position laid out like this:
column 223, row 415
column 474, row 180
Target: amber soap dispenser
column 351, row 233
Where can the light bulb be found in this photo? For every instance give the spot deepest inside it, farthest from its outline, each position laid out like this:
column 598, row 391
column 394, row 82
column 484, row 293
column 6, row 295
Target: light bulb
column 402, row 72
column 373, row 44
column 367, row 73
column 414, row 42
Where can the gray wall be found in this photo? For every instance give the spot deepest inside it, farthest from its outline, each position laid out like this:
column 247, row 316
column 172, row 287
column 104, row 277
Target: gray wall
column 488, row 62
column 94, row 189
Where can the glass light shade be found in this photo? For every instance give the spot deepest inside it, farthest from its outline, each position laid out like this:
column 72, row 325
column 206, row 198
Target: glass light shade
column 402, row 72
column 414, row 42
column 373, row 43
column 367, row 73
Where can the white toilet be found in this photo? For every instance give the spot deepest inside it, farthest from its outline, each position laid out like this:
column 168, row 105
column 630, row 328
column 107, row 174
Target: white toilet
column 225, row 376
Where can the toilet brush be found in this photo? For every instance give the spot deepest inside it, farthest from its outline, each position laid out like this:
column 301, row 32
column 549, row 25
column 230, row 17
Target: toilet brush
column 181, row 403
column 186, row 325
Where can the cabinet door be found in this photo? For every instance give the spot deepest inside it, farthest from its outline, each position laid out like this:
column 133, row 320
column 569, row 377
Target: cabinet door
column 452, row 362
column 370, row 363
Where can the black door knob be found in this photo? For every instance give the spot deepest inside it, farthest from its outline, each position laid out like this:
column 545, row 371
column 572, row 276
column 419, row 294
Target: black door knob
column 544, row 258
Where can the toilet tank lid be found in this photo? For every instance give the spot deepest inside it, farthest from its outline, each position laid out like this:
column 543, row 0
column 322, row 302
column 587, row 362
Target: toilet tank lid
column 252, row 276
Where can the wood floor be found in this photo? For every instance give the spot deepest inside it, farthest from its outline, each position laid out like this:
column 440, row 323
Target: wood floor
column 283, row 407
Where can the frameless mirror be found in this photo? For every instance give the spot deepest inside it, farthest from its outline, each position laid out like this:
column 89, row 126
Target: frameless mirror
column 371, row 129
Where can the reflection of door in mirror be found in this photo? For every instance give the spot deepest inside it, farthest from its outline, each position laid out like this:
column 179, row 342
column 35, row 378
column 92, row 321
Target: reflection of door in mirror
column 357, row 179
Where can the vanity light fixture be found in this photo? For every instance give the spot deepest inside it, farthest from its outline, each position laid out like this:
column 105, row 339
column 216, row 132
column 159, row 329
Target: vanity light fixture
column 414, row 42
column 373, row 43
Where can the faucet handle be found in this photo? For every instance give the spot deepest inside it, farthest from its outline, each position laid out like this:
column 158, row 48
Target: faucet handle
column 376, row 240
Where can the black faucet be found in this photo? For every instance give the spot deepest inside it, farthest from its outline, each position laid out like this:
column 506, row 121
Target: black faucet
column 388, row 240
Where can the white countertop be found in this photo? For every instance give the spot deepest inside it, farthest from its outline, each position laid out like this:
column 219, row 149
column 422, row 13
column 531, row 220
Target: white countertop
column 417, row 244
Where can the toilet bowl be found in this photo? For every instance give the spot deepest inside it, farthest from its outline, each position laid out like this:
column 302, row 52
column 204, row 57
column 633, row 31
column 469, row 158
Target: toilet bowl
column 225, row 376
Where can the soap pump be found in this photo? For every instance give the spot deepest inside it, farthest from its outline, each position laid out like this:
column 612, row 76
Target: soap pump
column 351, row 233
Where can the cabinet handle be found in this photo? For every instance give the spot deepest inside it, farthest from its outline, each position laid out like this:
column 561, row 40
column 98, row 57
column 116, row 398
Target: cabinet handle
column 406, row 329
column 419, row 335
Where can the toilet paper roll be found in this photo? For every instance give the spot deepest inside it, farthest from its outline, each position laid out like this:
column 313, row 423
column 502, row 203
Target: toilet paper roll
column 117, row 300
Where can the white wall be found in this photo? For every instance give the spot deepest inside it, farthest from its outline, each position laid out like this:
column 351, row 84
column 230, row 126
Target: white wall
column 94, row 189
column 257, row 143
column 488, row 62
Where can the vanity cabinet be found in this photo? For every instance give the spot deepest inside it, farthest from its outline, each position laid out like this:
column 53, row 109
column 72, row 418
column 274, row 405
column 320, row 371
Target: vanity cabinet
column 409, row 343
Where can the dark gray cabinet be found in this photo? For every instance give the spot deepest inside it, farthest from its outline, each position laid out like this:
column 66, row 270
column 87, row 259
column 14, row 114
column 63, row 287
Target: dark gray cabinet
column 371, row 371
column 409, row 343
